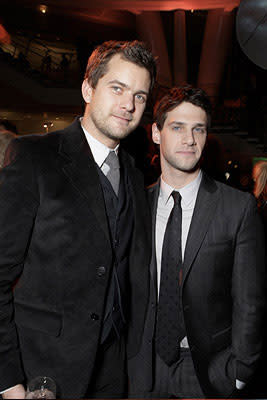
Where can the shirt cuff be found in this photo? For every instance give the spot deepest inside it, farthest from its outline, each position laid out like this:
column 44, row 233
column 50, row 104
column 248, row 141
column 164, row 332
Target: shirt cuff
column 239, row 384
column 6, row 390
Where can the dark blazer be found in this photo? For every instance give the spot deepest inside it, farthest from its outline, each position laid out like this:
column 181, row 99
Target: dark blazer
column 54, row 237
column 222, row 292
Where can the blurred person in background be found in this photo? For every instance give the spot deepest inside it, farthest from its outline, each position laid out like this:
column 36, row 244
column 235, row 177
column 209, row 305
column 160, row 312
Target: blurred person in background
column 259, row 175
column 7, row 133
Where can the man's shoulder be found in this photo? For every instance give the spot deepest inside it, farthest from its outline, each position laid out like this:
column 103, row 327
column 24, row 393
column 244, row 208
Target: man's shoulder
column 30, row 146
column 37, row 145
column 232, row 191
column 233, row 196
column 39, row 140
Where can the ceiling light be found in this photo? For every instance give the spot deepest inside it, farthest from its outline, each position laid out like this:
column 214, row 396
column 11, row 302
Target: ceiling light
column 43, row 8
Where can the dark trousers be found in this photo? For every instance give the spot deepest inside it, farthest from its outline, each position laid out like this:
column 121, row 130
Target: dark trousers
column 177, row 381
column 109, row 379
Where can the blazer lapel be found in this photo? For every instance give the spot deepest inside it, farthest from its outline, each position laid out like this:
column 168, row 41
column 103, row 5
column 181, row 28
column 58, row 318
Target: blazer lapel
column 153, row 194
column 205, row 206
column 81, row 170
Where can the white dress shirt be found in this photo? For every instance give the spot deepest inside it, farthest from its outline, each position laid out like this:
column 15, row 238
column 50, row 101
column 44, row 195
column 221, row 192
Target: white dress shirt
column 165, row 205
column 99, row 150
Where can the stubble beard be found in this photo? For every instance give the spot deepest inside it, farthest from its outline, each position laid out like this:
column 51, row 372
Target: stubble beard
column 182, row 167
column 106, row 129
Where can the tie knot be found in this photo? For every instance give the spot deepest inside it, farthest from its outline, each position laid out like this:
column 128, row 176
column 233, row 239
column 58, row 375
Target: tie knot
column 176, row 197
column 112, row 160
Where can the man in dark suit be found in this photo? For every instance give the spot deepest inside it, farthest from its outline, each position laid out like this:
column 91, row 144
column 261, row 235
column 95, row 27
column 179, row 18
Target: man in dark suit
column 202, row 335
column 74, row 231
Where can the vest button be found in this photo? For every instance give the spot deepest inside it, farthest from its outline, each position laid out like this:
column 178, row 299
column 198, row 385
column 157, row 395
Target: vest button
column 101, row 271
column 94, row 316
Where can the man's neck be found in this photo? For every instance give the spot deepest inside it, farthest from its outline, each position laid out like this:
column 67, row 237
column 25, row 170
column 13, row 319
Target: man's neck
column 179, row 179
column 90, row 128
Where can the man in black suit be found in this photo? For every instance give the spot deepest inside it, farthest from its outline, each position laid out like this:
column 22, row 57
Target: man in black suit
column 202, row 335
column 74, row 232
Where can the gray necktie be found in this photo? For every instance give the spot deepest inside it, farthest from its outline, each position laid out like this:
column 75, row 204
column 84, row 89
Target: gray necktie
column 113, row 174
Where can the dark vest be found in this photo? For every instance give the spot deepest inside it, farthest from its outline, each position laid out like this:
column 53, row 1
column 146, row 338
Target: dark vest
column 120, row 215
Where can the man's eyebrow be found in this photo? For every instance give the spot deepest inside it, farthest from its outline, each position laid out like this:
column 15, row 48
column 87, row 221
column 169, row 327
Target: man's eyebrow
column 184, row 123
column 142, row 92
column 176, row 123
column 117, row 82
column 201, row 124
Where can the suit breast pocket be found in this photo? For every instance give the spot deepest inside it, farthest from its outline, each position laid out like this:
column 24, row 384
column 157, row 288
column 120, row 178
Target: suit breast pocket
column 38, row 318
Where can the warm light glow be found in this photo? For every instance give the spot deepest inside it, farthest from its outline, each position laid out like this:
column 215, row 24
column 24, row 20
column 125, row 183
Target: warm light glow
column 43, row 8
column 137, row 6
column 4, row 36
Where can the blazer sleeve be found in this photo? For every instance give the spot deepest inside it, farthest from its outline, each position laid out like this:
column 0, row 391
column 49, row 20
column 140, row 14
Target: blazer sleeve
column 18, row 207
column 248, row 292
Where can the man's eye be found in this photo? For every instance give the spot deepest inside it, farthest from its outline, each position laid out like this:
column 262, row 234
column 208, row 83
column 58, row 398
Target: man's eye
column 116, row 89
column 200, row 130
column 176, row 128
column 140, row 98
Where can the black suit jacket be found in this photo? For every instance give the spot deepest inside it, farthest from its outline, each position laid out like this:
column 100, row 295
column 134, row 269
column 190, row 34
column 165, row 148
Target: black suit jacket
column 54, row 237
column 222, row 292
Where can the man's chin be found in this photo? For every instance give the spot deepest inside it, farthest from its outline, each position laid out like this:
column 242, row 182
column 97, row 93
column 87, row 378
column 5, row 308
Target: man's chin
column 189, row 168
column 119, row 135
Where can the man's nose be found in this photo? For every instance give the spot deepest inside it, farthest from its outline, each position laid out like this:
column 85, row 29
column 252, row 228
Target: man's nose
column 128, row 102
column 189, row 137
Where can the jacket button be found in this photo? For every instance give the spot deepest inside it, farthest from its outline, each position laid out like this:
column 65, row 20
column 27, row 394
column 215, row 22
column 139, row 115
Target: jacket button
column 94, row 316
column 101, row 271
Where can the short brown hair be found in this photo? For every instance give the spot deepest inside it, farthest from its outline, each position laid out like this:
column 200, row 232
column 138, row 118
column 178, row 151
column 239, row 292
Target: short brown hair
column 135, row 52
column 177, row 95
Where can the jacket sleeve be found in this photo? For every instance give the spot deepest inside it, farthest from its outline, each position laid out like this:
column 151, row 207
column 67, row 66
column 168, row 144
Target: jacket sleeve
column 18, row 207
column 248, row 292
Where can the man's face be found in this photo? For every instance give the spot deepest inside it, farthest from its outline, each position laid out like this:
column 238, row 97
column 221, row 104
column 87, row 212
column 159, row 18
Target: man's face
column 182, row 138
column 116, row 105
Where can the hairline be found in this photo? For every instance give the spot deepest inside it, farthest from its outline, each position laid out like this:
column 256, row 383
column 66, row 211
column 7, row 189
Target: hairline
column 125, row 58
column 177, row 105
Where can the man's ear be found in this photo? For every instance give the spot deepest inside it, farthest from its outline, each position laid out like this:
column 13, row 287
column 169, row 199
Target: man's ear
column 155, row 133
column 87, row 91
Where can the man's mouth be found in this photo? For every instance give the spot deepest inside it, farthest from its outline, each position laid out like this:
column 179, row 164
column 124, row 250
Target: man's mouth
column 186, row 153
column 122, row 118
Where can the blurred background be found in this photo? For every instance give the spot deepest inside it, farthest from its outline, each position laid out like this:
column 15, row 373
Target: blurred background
column 44, row 48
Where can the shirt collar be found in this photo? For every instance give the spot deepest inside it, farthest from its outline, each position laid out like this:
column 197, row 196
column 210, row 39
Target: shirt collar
column 99, row 150
column 188, row 192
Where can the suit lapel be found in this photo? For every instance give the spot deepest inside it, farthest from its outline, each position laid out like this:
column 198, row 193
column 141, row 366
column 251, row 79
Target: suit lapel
column 81, row 170
column 142, row 225
column 207, row 199
column 153, row 194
